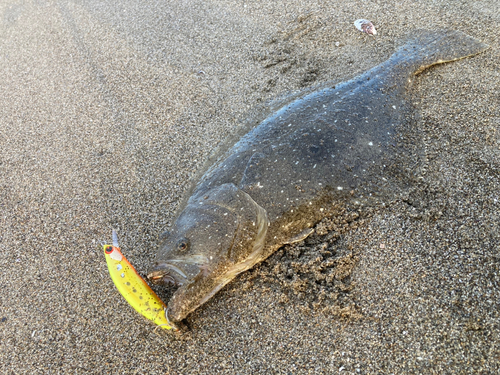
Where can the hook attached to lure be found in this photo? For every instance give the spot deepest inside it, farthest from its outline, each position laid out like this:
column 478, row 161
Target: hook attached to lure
column 133, row 287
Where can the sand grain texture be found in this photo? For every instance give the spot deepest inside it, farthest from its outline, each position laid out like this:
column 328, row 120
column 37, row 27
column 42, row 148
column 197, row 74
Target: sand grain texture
column 107, row 108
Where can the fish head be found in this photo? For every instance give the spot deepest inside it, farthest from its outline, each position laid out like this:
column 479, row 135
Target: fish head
column 197, row 240
column 218, row 235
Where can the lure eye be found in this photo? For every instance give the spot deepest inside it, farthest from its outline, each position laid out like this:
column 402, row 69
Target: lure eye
column 108, row 249
column 183, row 244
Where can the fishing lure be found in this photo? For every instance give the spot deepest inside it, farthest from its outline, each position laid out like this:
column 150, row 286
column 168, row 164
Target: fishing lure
column 133, row 287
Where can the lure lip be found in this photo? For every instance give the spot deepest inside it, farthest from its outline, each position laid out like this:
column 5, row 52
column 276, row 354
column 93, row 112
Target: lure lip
column 114, row 236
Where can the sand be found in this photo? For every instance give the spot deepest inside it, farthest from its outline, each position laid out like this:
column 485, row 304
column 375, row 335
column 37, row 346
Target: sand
column 106, row 110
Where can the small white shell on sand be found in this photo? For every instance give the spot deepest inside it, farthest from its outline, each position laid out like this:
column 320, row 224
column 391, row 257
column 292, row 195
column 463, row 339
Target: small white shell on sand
column 365, row 26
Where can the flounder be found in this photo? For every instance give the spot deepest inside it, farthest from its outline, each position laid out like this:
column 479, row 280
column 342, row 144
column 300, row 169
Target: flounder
column 334, row 145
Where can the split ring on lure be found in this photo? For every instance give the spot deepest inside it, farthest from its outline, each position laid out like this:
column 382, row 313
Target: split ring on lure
column 133, row 287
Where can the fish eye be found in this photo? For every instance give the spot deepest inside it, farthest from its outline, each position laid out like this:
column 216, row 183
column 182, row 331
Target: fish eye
column 108, row 249
column 183, row 244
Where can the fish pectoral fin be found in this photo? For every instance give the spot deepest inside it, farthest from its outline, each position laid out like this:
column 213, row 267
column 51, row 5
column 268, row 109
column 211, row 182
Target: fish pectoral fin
column 301, row 236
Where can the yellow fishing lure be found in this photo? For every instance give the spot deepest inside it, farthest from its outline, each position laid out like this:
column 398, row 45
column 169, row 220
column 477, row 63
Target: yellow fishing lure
column 133, row 287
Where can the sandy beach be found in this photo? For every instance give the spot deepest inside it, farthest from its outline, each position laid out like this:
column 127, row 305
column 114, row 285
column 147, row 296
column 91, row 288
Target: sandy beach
column 108, row 108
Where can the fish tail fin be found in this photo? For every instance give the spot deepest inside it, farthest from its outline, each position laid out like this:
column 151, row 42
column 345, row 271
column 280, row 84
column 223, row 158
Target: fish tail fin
column 437, row 47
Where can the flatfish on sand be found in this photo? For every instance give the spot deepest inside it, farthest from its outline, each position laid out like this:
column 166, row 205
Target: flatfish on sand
column 329, row 147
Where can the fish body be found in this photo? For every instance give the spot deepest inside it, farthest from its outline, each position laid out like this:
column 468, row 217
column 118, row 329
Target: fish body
column 332, row 146
column 134, row 288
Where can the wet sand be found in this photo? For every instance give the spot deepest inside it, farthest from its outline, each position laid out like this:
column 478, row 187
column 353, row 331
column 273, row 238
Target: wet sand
column 107, row 109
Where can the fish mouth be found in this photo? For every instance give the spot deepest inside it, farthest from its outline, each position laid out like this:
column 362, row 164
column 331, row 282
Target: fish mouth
column 165, row 273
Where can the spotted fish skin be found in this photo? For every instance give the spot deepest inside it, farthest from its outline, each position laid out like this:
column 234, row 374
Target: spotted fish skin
column 335, row 145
